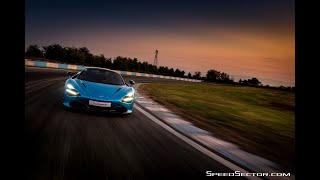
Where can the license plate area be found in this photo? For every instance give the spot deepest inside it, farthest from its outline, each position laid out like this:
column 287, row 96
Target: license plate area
column 99, row 103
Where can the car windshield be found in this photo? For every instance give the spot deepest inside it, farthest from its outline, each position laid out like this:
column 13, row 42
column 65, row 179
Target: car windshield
column 101, row 76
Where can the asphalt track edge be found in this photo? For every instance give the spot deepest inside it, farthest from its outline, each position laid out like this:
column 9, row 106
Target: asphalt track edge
column 192, row 142
column 198, row 145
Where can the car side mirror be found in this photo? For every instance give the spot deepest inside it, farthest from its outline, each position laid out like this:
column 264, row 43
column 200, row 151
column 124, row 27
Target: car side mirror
column 131, row 82
column 69, row 74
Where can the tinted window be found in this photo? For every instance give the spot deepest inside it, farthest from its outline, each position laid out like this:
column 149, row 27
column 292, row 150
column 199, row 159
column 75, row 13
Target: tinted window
column 101, row 76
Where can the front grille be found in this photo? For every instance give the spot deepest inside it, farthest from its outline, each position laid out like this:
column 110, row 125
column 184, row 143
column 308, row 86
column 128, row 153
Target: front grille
column 77, row 104
column 113, row 108
column 84, row 104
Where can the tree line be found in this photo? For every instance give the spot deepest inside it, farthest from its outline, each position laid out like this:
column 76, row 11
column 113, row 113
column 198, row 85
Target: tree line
column 82, row 56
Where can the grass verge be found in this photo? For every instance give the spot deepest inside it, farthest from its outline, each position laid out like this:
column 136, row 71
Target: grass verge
column 261, row 121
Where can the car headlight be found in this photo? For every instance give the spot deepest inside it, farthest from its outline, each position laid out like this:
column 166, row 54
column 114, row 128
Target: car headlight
column 128, row 98
column 71, row 91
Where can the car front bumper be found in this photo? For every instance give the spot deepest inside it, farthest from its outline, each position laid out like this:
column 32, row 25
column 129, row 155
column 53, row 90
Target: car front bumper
column 80, row 102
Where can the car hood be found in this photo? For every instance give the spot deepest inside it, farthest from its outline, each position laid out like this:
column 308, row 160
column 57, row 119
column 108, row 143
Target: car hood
column 100, row 90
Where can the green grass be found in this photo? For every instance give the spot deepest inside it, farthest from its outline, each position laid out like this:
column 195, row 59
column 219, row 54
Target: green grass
column 260, row 120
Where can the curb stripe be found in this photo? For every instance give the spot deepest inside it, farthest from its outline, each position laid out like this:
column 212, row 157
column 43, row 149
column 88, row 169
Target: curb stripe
column 80, row 67
column 63, row 66
column 52, row 65
column 70, row 66
column 39, row 63
column 196, row 145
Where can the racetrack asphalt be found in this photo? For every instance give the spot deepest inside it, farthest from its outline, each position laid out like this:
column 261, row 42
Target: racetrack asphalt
column 64, row 144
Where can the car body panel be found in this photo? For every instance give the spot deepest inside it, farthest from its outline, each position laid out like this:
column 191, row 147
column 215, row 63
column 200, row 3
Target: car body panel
column 98, row 92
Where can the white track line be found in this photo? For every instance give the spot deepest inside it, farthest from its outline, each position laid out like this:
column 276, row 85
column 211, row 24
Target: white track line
column 195, row 145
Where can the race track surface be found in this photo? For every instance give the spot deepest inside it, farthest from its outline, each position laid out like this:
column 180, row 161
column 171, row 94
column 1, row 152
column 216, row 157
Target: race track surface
column 66, row 144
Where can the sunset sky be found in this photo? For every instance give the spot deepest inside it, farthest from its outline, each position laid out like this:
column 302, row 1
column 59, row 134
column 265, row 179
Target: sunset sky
column 244, row 38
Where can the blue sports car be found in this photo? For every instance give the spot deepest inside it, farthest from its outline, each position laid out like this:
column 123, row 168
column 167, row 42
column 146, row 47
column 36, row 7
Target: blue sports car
column 99, row 89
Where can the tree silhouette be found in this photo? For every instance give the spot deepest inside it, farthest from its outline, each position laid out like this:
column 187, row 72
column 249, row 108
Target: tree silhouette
column 74, row 55
column 182, row 74
column 189, row 75
column 55, row 52
column 212, row 75
column 254, row 82
column 197, row 75
column 245, row 82
column 83, row 56
column 171, row 72
column 179, row 73
column 224, row 77
column 34, row 51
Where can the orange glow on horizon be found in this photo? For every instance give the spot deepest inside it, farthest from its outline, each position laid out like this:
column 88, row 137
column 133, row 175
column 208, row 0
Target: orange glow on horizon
column 257, row 53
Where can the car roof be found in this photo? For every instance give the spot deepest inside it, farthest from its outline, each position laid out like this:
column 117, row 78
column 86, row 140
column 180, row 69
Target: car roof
column 100, row 68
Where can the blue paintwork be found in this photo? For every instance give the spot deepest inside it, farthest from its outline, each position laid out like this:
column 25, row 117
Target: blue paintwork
column 98, row 92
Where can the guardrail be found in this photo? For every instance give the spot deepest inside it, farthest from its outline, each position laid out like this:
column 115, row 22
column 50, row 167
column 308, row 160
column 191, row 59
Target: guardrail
column 38, row 63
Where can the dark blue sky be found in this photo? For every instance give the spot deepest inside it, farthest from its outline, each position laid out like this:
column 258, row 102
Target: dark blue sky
column 257, row 34
column 83, row 13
